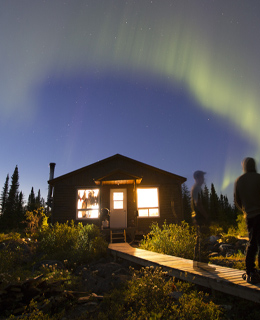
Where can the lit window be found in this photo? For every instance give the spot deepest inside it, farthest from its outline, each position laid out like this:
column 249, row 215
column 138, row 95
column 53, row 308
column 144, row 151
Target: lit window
column 147, row 202
column 118, row 198
column 88, row 204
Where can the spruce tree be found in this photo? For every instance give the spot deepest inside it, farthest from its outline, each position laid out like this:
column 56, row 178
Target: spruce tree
column 20, row 208
column 213, row 204
column 9, row 217
column 205, row 198
column 39, row 200
column 186, row 199
column 4, row 194
column 12, row 195
column 31, row 204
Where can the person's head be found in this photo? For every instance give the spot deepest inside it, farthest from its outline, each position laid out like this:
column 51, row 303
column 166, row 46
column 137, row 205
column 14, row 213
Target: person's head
column 199, row 177
column 248, row 165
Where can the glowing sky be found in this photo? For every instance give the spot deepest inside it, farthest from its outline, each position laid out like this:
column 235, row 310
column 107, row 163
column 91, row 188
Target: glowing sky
column 175, row 84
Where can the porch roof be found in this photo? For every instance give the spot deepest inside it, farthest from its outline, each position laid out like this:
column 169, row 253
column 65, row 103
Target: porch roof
column 118, row 177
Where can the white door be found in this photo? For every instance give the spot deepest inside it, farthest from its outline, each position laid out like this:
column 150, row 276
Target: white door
column 118, row 208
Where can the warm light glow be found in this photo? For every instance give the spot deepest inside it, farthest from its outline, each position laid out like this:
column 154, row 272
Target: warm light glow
column 118, row 198
column 93, row 214
column 143, row 212
column 88, row 203
column 153, row 212
column 88, row 199
column 147, row 202
column 147, row 197
column 118, row 195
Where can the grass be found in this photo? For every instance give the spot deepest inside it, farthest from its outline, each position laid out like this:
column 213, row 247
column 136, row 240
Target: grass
column 236, row 261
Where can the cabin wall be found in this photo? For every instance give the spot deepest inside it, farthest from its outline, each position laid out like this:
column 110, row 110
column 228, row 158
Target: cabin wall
column 170, row 205
column 170, row 198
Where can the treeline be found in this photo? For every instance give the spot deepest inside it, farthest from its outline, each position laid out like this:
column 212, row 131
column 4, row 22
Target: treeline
column 12, row 204
column 220, row 211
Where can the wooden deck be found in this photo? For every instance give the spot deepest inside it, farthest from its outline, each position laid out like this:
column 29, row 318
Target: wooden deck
column 226, row 280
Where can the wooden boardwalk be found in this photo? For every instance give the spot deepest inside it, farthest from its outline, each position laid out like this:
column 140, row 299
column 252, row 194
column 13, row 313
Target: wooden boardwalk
column 226, row 280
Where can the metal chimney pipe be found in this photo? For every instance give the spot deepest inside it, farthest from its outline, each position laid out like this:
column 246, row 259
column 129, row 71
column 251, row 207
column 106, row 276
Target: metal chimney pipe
column 51, row 176
column 52, row 167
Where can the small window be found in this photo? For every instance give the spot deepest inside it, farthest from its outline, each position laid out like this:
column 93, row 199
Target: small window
column 88, row 204
column 118, row 200
column 148, row 202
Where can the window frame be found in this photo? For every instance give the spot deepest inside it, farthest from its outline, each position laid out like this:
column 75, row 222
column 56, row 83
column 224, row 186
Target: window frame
column 158, row 194
column 87, row 209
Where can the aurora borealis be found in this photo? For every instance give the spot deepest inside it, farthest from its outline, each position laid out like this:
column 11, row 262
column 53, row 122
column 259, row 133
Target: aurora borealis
column 175, row 84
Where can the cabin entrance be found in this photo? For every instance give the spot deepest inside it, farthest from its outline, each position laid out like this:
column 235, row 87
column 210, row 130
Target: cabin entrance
column 118, row 208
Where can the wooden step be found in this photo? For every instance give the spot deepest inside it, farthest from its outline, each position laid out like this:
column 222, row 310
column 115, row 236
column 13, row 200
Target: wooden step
column 117, row 235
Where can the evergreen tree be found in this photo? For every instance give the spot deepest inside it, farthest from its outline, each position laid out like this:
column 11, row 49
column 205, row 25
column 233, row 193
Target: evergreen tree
column 228, row 213
column 4, row 194
column 218, row 207
column 12, row 195
column 20, row 207
column 31, row 204
column 35, row 202
column 39, row 200
column 186, row 199
column 11, row 216
column 205, row 198
column 213, row 204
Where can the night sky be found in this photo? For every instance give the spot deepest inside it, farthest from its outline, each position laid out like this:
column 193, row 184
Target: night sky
column 174, row 84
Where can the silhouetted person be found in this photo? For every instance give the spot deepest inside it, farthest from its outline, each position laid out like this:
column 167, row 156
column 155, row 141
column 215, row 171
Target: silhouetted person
column 199, row 214
column 247, row 199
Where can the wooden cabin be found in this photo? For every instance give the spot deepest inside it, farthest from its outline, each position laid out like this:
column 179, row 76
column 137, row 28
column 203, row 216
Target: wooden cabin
column 117, row 193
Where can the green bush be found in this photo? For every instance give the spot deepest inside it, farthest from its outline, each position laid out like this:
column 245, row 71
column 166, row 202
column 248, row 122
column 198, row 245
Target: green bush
column 196, row 306
column 148, row 291
column 9, row 236
column 15, row 256
column 148, row 296
column 75, row 243
column 35, row 221
column 241, row 225
column 172, row 239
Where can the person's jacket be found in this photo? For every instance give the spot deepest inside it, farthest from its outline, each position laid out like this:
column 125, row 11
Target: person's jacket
column 247, row 189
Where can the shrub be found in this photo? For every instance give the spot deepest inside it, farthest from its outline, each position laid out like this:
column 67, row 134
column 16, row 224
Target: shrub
column 75, row 243
column 172, row 239
column 194, row 306
column 148, row 296
column 9, row 236
column 35, row 220
column 148, row 291
column 241, row 225
column 15, row 256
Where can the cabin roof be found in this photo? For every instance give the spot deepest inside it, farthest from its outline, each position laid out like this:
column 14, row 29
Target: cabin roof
column 117, row 157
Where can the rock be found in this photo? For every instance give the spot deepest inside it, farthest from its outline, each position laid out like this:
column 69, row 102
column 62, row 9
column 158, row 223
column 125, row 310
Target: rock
column 213, row 239
column 224, row 247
